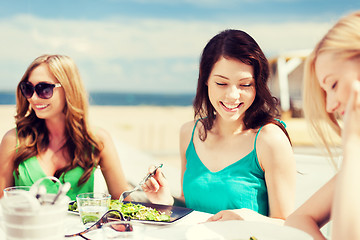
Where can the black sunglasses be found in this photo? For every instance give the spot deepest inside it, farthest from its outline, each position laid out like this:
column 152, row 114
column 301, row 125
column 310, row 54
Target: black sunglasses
column 109, row 216
column 43, row 90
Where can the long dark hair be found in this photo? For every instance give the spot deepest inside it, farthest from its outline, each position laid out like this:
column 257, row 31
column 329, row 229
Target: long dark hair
column 236, row 44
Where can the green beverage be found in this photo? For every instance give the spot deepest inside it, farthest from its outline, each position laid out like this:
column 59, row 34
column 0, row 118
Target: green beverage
column 92, row 206
column 90, row 214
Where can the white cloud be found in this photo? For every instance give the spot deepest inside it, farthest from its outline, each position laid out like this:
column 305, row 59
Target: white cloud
column 277, row 38
column 100, row 46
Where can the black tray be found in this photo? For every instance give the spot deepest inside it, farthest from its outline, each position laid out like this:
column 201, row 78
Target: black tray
column 175, row 212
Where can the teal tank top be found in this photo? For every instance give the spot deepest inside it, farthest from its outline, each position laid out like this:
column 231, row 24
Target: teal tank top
column 239, row 185
column 30, row 171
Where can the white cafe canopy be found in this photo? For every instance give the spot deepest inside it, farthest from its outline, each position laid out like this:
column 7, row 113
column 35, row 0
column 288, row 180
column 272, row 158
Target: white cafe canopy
column 286, row 63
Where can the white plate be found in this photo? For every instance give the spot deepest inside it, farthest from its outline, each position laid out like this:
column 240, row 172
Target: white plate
column 243, row 230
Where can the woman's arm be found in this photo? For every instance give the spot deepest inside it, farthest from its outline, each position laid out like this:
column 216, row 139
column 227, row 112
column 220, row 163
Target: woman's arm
column 157, row 188
column 276, row 157
column 185, row 138
column 315, row 212
column 243, row 214
column 111, row 167
column 7, row 154
column 346, row 210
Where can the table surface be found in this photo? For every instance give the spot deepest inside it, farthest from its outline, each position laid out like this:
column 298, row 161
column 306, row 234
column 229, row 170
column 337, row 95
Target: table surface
column 73, row 224
column 189, row 228
column 176, row 230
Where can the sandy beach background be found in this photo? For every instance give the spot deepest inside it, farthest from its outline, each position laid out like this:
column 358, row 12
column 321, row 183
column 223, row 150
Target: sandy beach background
column 151, row 129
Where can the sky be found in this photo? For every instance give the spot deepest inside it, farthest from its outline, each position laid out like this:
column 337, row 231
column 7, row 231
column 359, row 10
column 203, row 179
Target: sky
column 151, row 46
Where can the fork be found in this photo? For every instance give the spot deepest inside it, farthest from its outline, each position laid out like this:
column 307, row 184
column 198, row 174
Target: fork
column 138, row 186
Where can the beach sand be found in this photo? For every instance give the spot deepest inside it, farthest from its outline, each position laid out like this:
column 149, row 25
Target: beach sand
column 151, row 129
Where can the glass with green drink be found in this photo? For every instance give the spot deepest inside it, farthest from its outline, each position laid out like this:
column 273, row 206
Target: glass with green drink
column 92, row 206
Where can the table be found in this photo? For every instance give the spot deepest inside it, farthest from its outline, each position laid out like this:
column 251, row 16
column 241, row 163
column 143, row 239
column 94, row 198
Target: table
column 193, row 227
column 176, row 230
column 155, row 232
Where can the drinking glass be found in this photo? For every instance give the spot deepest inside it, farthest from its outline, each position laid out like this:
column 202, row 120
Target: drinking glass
column 92, row 206
column 11, row 191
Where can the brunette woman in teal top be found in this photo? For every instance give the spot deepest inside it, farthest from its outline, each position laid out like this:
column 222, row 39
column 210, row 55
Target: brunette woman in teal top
column 241, row 184
column 52, row 135
column 228, row 165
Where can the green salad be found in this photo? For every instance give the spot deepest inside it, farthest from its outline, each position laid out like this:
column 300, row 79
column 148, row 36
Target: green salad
column 133, row 211
column 139, row 212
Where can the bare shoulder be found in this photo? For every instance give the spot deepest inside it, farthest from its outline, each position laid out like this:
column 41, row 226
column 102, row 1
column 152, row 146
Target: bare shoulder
column 272, row 134
column 108, row 148
column 185, row 134
column 9, row 139
column 273, row 146
column 187, row 127
column 101, row 133
column 7, row 148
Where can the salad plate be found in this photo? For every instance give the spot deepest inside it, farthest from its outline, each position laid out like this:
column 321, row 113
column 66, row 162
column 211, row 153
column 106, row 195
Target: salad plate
column 176, row 213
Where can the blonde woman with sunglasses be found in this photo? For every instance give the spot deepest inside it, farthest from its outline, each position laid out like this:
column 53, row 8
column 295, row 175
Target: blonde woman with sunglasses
column 332, row 92
column 52, row 135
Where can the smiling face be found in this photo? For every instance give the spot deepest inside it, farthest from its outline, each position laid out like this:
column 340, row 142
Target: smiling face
column 231, row 88
column 46, row 108
column 335, row 76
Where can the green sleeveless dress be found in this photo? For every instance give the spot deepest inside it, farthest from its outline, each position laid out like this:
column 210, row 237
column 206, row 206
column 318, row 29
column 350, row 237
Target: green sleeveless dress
column 30, row 171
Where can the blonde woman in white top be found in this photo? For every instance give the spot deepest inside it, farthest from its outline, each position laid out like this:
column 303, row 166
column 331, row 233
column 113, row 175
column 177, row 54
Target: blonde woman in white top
column 332, row 93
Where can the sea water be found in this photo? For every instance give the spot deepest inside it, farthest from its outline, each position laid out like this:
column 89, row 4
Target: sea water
column 123, row 99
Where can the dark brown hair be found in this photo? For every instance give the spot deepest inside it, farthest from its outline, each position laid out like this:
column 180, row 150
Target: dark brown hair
column 236, row 44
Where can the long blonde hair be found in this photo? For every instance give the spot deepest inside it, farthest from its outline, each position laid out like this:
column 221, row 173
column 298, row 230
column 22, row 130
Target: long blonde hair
column 343, row 39
column 82, row 146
